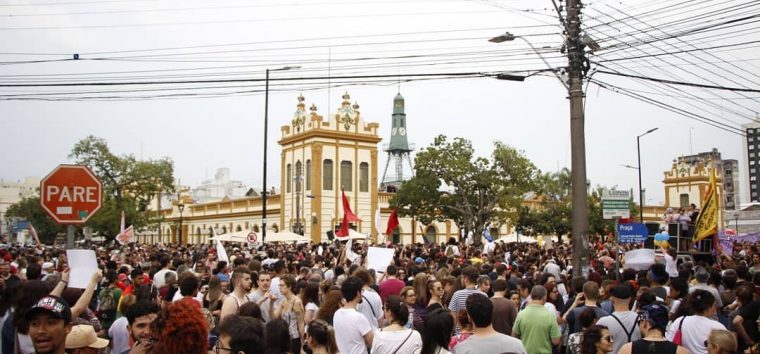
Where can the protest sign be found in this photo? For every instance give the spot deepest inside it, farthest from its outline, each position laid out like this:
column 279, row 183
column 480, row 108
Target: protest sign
column 379, row 258
column 82, row 265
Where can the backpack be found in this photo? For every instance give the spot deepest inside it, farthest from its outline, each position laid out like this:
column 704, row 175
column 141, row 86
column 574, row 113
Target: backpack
column 107, row 305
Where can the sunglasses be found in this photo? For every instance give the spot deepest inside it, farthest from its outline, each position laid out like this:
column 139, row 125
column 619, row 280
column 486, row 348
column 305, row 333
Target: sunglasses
column 608, row 338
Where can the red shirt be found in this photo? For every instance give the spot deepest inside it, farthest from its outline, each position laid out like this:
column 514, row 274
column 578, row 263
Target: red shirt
column 390, row 287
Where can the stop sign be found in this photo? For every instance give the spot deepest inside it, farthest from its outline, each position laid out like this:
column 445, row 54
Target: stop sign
column 70, row 194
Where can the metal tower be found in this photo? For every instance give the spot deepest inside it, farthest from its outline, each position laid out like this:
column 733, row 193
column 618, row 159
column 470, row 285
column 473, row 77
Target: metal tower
column 399, row 148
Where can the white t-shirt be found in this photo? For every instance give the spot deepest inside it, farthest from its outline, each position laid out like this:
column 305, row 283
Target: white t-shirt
column 274, row 288
column 386, row 342
column 693, row 332
column 350, row 328
column 371, row 307
column 119, row 335
column 629, row 320
column 159, row 279
column 670, row 266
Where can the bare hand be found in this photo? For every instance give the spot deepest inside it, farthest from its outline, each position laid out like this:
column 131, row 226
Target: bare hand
column 97, row 276
column 141, row 347
column 65, row 275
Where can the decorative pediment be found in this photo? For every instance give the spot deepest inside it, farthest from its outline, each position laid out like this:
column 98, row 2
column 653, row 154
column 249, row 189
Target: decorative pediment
column 347, row 115
column 299, row 117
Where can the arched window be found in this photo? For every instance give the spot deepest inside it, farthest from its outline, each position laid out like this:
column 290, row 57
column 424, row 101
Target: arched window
column 256, row 228
column 239, row 228
column 224, row 229
column 327, row 175
column 288, row 177
column 299, row 176
column 308, row 175
column 346, row 171
column 430, row 234
column 198, row 231
column 275, row 228
column 363, row 177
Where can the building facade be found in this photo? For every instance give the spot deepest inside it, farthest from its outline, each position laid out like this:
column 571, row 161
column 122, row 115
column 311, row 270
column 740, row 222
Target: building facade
column 752, row 156
column 320, row 159
column 12, row 192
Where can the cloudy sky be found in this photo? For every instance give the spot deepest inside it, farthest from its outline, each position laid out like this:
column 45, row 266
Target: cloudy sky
column 184, row 78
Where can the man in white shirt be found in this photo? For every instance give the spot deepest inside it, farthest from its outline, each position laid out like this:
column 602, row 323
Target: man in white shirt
column 622, row 323
column 160, row 276
column 353, row 334
column 263, row 297
column 279, row 270
column 371, row 306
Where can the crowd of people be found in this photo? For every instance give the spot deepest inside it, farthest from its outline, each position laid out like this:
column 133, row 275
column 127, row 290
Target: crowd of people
column 455, row 297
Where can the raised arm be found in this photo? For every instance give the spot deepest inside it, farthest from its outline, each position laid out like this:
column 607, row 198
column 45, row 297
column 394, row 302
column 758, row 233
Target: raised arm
column 81, row 306
column 62, row 284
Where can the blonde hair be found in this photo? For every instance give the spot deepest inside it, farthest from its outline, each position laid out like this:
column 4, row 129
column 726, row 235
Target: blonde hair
column 724, row 340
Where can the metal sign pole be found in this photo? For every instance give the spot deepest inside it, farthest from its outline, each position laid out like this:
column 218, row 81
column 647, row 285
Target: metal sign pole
column 70, row 237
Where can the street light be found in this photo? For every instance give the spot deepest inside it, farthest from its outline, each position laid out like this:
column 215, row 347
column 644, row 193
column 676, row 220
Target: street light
column 641, row 194
column 736, row 220
column 181, row 208
column 266, row 135
column 506, row 37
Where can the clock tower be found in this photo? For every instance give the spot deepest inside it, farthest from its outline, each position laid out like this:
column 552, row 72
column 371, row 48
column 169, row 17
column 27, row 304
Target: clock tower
column 399, row 149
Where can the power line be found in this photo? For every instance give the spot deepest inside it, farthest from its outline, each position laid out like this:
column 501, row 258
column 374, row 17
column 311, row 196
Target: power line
column 679, row 111
column 692, row 84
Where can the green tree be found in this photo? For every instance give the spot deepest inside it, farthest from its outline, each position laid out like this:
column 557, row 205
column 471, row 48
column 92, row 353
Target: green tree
column 450, row 182
column 129, row 185
column 30, row 209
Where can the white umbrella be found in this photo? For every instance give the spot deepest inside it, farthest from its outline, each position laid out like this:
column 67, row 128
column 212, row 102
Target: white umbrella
column 239, row 236
column 355, row 235
column 285, row 236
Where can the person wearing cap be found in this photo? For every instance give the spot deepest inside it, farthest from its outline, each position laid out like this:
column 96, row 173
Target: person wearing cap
column 48, row 268
column 652, row 324
column 49, row 324
column 83, row 340
column 702, row 276
column 622, row 322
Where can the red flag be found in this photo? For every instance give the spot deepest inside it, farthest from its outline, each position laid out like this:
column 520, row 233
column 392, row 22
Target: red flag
column 347, row 213
column 343, row 232
column 392, row 222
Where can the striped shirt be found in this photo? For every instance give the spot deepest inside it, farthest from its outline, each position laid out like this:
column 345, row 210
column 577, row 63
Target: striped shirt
column 459, row 299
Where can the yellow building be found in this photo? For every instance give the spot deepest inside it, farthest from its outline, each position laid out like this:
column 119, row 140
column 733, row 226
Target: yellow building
column 319, row 157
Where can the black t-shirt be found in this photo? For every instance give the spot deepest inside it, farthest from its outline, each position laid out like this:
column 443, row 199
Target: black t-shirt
column 749, row 313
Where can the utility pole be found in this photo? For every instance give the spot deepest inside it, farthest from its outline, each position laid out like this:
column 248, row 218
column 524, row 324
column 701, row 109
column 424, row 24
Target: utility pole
column 576, row 59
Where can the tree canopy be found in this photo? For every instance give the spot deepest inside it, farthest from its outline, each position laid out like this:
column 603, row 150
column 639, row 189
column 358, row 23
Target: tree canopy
column 450, row 182
column 129, row 185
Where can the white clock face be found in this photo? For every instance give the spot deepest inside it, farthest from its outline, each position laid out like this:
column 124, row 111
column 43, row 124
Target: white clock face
column 393, row 131
column 402, row 131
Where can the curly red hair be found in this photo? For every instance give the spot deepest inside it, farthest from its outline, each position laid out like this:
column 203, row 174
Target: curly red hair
column 181, row 329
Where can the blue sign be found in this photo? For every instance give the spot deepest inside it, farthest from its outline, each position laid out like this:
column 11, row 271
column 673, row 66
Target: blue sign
column 632, row 233
column 19, row 226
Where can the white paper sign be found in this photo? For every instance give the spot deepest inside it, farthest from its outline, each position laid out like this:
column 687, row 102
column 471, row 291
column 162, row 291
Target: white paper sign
column 221, row 253
column 82, row 265
column 379, row 258
column 640, row 259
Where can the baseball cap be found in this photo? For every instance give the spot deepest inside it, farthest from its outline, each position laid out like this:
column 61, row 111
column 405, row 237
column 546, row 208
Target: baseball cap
column 621, row 291
column 702, row 275
column 53, row 305
column 47, row 265
column 419, row 260
column 82, row 336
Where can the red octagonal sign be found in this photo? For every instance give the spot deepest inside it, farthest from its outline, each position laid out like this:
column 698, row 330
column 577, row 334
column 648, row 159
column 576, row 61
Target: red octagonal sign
column 71, row 194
